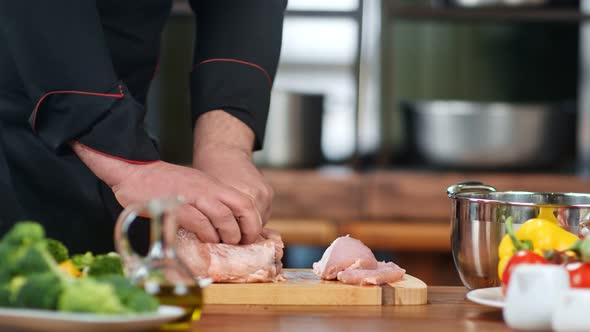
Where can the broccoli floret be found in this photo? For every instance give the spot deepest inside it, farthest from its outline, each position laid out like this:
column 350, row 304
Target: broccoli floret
column 15, row 243
column 142, row 302
column 4, row 288
column 4, row 296
column 106, row 264
column 5, row 277
column 24, row 233
column 88, row 295
column 83, row 261
column 58, row 250
column 14, row 288
column 39, row 291
column 130, row 295
column 8, row 288
column 34, row 259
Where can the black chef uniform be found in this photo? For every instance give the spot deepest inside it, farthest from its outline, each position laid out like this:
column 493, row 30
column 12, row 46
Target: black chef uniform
column 79, row 70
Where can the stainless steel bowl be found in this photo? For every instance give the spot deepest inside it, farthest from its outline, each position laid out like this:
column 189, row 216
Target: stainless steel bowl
column 488, row 3
column 491, row 135
column 478, row 212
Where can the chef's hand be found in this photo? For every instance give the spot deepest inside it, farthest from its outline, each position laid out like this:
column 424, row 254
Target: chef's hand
column 213, row 212
column 223, row 149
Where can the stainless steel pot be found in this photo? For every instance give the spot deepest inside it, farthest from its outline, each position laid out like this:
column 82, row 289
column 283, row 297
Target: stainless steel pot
column 491, row 135
column 293, row 131
column 478, row 212
column 487, row 3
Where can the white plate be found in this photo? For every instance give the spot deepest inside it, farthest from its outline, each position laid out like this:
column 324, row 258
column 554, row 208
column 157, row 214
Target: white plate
column 491, row 297
column 45, row 320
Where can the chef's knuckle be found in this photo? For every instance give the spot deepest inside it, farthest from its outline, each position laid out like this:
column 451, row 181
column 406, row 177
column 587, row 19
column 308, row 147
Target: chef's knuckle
column 246, row 203
column 225, row 214
column 264, row 193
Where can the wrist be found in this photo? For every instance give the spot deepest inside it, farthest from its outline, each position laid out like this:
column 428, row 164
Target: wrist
column 220, row 130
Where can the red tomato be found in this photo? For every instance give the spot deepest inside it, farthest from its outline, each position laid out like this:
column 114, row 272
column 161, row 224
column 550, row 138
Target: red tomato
column 521, row 257
column 579, row 274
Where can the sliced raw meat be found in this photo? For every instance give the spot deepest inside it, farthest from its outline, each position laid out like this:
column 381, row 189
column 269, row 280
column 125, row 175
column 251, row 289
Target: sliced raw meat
column 351, row 262
column 344, row 253
column 257, row 262
column 384, row 274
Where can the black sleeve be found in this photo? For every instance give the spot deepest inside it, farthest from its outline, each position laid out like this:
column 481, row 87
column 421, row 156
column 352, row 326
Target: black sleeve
column 60, row 53
column 235, row 59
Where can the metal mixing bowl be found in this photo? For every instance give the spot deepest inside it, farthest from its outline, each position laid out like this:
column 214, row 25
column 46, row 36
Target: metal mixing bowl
column 491, row 135
column 478, row 212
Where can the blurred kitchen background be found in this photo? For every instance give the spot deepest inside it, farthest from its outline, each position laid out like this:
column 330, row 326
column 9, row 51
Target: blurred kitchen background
column 378, row 106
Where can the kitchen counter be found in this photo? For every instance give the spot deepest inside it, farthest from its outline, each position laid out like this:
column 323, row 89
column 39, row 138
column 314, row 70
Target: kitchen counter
column 448, row 310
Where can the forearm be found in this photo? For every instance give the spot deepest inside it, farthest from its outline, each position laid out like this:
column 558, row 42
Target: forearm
column 235, row 63
column 217, row 130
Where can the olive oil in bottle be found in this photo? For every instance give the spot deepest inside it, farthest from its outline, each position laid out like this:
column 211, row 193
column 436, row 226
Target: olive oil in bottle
column 160, row 273
column 189, row 298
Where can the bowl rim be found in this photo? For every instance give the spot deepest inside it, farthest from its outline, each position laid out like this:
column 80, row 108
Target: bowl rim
column 468, row 196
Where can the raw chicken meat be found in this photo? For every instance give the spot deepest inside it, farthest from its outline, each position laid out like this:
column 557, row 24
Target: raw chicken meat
column 226, row 263
column 385, row 273
column 351, row 262
column 344, row 253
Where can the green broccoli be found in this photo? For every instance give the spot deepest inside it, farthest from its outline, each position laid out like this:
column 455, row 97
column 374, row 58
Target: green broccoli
column 57, row 249
column 7, row 288
column 34, row 259
column 5, row 277
column 24, row 233
column 88, row 295
column 31, row 278
column 142, row 302
column 14, row 288
column 39, row 291
column 106, row 264
column 15, row 242
column 130, row 295
column 4, row 296
column 83, row 261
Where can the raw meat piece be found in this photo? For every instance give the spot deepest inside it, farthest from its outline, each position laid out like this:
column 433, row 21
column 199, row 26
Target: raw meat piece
column 385, row 273
column 344, row 253
column 226, row 263
column 351, row 262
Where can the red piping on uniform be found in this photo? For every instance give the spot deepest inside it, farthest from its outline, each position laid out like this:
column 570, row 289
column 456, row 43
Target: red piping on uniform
column 111, row 95
column 238, row 61
column 137, row 162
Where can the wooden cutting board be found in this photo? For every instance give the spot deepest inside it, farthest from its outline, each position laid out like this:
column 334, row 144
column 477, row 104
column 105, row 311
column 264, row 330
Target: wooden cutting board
column 302, row 287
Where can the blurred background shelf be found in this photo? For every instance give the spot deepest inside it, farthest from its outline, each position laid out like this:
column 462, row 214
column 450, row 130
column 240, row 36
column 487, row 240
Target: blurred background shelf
column 337, row 195
column 489, row 14
column 391, row 235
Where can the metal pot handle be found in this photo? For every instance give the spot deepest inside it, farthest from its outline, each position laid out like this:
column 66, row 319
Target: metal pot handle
column 468, row 186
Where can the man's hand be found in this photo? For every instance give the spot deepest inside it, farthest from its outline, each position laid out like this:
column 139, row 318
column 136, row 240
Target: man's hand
column 213, row 212
column 223, row 149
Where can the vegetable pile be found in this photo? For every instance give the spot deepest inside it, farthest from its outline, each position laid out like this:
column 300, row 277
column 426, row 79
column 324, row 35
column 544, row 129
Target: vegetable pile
column 37, row 273
column 542, row 241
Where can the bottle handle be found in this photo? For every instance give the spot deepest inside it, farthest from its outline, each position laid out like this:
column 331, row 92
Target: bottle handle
column 131, row 260
column 133, row 263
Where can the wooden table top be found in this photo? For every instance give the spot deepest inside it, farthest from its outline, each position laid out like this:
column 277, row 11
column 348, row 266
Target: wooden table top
column 447, row 310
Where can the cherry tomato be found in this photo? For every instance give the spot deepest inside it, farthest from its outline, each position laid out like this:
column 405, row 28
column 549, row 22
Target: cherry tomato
column 521, row 257
column 579, row 274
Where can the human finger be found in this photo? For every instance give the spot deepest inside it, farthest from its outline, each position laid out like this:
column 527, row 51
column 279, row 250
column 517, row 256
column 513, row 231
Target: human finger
column 223, row 220
column 196, row 222
column 244, row 209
